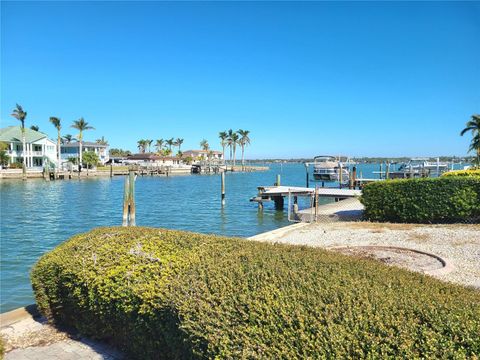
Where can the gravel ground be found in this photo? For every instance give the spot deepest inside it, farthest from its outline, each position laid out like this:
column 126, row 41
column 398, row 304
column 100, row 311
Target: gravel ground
column 458, row 244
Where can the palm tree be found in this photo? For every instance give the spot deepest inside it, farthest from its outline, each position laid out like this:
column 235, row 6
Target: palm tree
column 474, row 127
column 204, row 145
column 234, row 141
column 223, row 141
column 229, row 142
column 159, row 144
column 179, row 143
column 57, row 123
column 170, row 143
column 81, row 125
column 141, row 144
column 148, row 142
column 102, row 141
column 68, row 138
column 20, row 115
column 243, row 141
column 34, row 127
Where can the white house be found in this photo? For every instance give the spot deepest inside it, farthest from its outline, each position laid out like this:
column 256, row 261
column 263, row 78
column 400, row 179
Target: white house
column 38, row 149
column 72, row 150
column 203, row 154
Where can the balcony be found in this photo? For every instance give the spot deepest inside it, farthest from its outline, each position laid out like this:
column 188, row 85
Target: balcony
column 28, row 153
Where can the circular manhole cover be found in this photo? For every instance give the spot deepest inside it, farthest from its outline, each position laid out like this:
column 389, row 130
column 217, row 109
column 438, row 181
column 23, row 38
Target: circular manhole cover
column 403, row 257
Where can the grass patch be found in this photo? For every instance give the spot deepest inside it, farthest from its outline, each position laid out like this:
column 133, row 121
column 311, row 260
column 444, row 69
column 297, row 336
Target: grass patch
column 168, row 294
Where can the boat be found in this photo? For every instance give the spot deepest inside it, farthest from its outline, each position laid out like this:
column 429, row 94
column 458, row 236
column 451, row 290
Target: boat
column 421, row 167
column 331, row 168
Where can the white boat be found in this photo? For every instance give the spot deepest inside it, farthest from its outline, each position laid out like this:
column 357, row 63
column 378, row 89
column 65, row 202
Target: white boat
column 423, row 166
column 331, row 168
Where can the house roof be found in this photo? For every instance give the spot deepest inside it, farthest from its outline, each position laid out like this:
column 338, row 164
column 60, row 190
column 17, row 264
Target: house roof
column 14, row 133
column 84, row 143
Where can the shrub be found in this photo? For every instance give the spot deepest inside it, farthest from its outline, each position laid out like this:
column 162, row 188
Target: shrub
column 439, row 200
column 174, row 295
column 468, row 172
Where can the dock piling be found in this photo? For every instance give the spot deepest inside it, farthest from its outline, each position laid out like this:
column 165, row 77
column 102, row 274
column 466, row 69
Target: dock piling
column 126, row 190
column 278, row 180
column 129, row 211
column 223, row 187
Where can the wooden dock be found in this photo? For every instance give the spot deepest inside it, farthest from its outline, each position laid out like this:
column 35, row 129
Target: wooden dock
column 278, row 193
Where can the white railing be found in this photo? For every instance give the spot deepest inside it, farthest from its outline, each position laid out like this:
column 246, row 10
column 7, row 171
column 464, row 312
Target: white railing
column 27, row 153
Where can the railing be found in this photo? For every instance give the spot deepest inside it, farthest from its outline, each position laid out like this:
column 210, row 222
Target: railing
column 27, row 153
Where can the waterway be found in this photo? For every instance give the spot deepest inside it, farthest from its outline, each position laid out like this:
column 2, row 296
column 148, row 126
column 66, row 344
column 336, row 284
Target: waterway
column 37, row 215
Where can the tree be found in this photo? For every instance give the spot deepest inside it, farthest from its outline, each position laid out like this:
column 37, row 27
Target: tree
column 149, row 144
column 234, row 141
column 34, row 127
column 229, row 142
column 81, row 125
column 473, row 126
column 68, row 138
column 57, row 124
column 223, row 141
column 102, row 141
column 243, row 141
column 20, row 115
column 204, row 145
column 119, row 152
column 4, row 157
column 90, row 158
column 141, row 145
column 179, row 143
column 159, row 145
column 170, row 143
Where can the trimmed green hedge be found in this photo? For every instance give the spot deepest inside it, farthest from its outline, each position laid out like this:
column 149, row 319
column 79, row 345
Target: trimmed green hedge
column 469, row 172
column 439, row 200
column 161, row 294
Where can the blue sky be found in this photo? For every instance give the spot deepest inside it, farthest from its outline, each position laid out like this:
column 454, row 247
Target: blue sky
column 360, row 78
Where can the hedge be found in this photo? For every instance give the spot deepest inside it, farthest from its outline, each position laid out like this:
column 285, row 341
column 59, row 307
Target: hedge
column 439, row 200
column 468, row 172
column 161, row 294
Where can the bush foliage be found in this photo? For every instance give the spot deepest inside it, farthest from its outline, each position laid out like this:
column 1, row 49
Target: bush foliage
column 468, row 172
column 175, row 295
column 438, row 200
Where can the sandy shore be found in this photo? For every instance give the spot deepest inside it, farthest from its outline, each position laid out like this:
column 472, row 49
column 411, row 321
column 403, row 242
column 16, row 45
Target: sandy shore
column 458, row 244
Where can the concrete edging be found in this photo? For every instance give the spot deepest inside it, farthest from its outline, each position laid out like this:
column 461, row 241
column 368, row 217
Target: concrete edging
column 13, row 316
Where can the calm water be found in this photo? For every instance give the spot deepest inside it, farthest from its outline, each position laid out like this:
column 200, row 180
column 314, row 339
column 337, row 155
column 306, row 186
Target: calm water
column 37, row 215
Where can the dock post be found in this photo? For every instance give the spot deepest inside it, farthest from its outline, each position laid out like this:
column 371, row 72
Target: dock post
column 307, row 174
column 126, row 199
column 354, row 175
column 278, row 180
column 111, row 170
column 341, row 176
column 131, row 196
column 381, row 170
column 223, row 187
column 387, row 170
column 279, row 202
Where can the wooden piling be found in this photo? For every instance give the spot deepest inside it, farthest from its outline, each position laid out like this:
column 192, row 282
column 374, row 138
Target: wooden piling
column 341, row 175
column 354, row 176
column 131, row 195
column 126, row 199
column 111, row 169
column 223, row 187
column 278, row 180
column 279, row 202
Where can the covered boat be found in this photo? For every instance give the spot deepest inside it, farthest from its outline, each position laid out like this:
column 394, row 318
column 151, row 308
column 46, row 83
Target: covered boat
column 331, row 168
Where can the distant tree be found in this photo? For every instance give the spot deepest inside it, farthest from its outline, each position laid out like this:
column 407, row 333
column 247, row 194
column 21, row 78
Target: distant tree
column 243, row 141
column 142, row 145
column 159, row 145
column 204, row 145
column 81, row 125
column 223, row 141
column 34, row 127
column 119, row 152
column 90, row 158
column 102, row 141
column 4, row 157
column 233, row 139
column 148, row 142
column 229, row 142
column 68, row 138
column 473, row 126
column 188, row 160
column 20, row 115
column 179, row 143
column 170, row 143
column 56, row 122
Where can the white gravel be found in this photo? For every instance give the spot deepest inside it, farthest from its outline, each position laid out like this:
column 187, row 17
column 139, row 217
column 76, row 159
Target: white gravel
column 458, row 244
